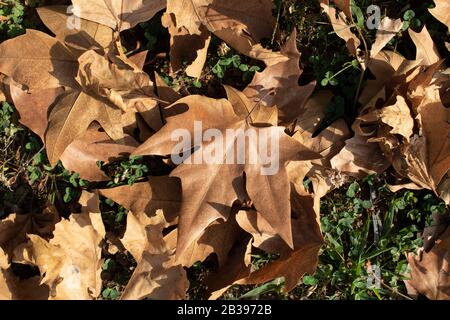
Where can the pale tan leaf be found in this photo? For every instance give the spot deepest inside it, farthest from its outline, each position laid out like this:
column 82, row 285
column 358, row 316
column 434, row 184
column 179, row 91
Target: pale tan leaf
column 293, row 264
column 157, row 275
column 398, row 117
column 341, row 28
column 118, row 14
column 124, row 87
column 186, row 49
column 15, row 227
column 441, row 11
column 218, row 239
column 386, row 31
column 426, row 50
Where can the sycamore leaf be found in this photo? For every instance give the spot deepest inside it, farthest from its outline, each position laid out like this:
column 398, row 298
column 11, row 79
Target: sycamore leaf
column 82, row 109
column 13, row 288
column 70, row 263
column 144, row 233
column 237, row 266
column 426, row 50
column 264, row 237
column 386, row 31
column 253, row 17
column 15, row 227
column 189, row 39
column 217, row 238
column 278, row 85
column 139, row 59
column 293, row 264
column 257, row 113
column 344, row 6
column 33, row 107
column 360, row 157
column 79, row 35
column 38, row 61
column 241, row 25
column 162, row 193
column 157, row 275
column 398, row 117
column 94, row 145
column 444, row 189
column 118, row 14
column 341, row 28
column 434, row 118
column 330, row 140
column 124, row 87
column 209, row 189
column 441, row 11
column 430, row 273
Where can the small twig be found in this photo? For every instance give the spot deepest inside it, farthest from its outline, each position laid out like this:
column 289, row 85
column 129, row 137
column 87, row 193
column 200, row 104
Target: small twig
column 361, row 78
column 276, row 26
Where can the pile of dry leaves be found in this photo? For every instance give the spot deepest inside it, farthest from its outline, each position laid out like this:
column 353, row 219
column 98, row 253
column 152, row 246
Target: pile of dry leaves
column 85, row 97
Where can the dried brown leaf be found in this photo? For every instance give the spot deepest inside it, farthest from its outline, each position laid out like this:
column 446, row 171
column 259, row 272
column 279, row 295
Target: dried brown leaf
column 38, row 61
column 430, row 274
column 94, row 145
column 278, row 85
column 79, row 35
column 209, row 190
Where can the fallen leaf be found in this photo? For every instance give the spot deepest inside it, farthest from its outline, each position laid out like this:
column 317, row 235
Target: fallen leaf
column 398, row 117
column 331, row 139
column 189, row 39
column 15, row 227
column 293, row 264
column 82, row 109
column 237, row 266
column 94, row 145
column 430, row 274
column 441, row 11
column 120, row 15
column 50, row 64
column 157, row 275
column 257, row 113
column 33, row 107
column 277, row 86
column 218, row 238
column 157, row 193
column 341, row 28
column 386, row 31
column 426, row 52
column 209, row 190
column 78, row 34
column 359, row 158
column 70, row 263
column 127, row 89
